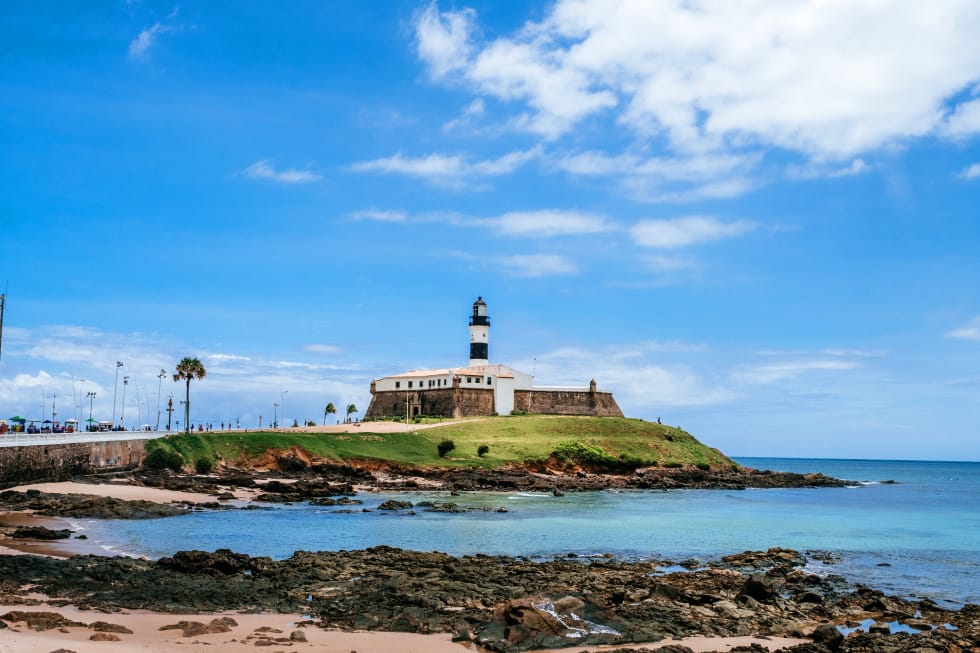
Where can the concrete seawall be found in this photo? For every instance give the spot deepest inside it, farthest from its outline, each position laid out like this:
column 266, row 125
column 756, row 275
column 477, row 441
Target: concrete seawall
column 61, row 458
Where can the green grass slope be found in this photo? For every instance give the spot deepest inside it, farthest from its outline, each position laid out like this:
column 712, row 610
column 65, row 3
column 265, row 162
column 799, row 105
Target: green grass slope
column 599, row 441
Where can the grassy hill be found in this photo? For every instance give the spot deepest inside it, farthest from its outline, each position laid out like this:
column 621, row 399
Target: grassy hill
column 517, row 439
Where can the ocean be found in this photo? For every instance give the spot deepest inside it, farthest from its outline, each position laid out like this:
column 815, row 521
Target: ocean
column 907, row 528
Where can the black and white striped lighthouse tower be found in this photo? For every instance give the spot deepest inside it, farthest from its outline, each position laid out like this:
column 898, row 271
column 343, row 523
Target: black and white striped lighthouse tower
column 479, row 334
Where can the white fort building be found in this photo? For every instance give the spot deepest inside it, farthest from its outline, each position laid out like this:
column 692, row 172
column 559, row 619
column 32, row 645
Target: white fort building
column 480, row 388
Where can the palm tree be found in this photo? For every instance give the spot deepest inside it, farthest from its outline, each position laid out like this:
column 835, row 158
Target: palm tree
column 331, row 409
column 351, row 408
column 187, row 370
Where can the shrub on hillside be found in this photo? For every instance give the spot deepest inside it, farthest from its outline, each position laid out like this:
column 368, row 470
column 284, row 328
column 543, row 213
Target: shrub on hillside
column 203, row 466
column 582, row 453
column 482, row 450
column 445, row 447
column 163, row 459
column 703, row 466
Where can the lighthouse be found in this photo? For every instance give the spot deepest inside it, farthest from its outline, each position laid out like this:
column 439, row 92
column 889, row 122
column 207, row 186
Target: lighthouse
column 479, row 334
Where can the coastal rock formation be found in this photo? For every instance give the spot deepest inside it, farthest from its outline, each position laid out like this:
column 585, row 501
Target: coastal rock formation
column 81, row 505
column 510, row 604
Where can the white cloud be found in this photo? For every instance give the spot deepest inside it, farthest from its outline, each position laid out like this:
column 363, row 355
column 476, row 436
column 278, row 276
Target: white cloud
column 687, row 231
column 448, row 170
column 473, row 110
column 549, row 222
column 264, row 170
column 139, row 46
column 964, row 120
column 64, row 363
column 443, row 39
column 655, row 179
column 640, row 385
column 969, row 332
column 971, row 172
column 536, row 265
column 671, row 264
column 321, row 348
column 380, row 215
column 827, row 81
column 542, row 223
column 227, row 358
column 822, row 170
column 781, row 371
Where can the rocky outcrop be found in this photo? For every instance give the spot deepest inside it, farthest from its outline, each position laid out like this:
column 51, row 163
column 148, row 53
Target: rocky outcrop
column 511, row 604
column 79, row 505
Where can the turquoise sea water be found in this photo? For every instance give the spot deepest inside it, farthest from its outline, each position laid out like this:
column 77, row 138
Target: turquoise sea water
column 919, row 536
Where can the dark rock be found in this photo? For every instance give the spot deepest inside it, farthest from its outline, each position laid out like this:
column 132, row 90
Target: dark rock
column 394, row 504
column 757, row 588
column 222, row 562
column 829, row 636
column 40, row 533
column 105, row 637
column 41, row 620
column 105, row 627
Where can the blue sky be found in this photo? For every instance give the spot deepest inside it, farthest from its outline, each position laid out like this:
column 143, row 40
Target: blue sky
column 756, row 220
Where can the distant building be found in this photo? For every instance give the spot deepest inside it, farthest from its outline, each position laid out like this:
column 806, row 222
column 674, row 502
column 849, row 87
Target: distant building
column 480, row 388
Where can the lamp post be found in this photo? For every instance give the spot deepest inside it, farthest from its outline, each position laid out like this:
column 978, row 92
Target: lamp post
column 160, row 376
column 115, row 388
column 122, row 418
column 275, row 412
column 139, row 407
column 91, row 398
column 282, row 403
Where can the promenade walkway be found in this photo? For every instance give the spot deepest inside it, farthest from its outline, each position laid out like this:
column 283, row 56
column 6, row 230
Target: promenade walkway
column 37, row 439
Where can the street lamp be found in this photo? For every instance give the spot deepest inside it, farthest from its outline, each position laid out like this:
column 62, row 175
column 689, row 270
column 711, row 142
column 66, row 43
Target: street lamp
column 275, row 419
column 122, row 418
column 282, row 403
column 115, row 387
column 160, row 376
column 139, row 407
column 91, row 398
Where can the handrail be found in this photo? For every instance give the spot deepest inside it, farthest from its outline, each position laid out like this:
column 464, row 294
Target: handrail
column 34, row 439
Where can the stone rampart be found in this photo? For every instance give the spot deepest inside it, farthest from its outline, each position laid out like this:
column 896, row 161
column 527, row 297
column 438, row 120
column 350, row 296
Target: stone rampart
column 472, row 402
column 567, row 402
column 437, row 402
column 57, row 462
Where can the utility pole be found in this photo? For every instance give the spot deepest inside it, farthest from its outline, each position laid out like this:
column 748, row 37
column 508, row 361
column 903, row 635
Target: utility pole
column 91, row 398
column 160, row 376
column 115, row 389
column 122, row 419
column 3, row 303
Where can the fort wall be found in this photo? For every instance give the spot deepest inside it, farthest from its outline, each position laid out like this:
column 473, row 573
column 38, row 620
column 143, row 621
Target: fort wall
column 567, row 402
column 472, row 402
column 441, row 402
column 62, row 461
